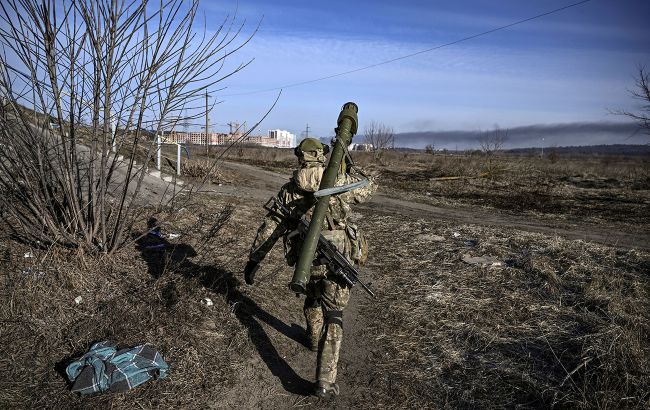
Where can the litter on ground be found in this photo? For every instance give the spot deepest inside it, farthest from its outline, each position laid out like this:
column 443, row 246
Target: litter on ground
column 104, row 368
column 481, row 260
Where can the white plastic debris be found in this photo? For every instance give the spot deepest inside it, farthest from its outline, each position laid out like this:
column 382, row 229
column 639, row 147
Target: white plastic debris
column 28, row 255
column 207, row 301
column 36, row 274
column 456, row 235
column 173, row 235
column 78, row 300
column 481, row 260
column 431, row 237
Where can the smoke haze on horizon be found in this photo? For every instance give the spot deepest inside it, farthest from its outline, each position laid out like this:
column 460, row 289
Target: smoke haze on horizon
column 538, row 135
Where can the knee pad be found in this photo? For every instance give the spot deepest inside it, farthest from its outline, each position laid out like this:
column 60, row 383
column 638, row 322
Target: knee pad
column 334, row 317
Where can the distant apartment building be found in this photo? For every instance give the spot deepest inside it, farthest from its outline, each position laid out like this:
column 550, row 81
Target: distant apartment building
column 284, row 139
column 360, row 147
column 198, row 138
column 275, row 138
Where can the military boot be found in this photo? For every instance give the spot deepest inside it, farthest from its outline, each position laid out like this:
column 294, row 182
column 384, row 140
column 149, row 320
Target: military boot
column 324, row 389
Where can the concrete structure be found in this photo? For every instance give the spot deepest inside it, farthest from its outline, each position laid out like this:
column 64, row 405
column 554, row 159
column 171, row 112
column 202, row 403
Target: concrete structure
column 275, row 138
column 284, row 139
column 360, row 147
column 198, row 138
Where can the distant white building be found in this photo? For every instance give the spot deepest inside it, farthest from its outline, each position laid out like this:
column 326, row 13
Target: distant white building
column 275, row 138
column 282, row 138
column 360, row 147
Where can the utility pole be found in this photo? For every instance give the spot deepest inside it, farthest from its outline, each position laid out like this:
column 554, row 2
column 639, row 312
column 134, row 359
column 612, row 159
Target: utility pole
column 207, row 142
column 307, row 131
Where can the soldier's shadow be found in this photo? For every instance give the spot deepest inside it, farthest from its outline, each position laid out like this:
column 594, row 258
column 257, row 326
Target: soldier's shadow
column 160, row 254
column 249, row 314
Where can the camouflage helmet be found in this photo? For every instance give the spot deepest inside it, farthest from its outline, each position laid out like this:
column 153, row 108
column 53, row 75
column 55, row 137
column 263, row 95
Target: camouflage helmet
column 311, row 150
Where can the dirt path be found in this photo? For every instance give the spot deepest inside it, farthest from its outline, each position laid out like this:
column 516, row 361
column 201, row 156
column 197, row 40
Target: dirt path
column 259, row 185
column 279, row 370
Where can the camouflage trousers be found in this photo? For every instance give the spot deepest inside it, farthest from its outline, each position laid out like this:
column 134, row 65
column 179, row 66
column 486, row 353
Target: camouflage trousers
column 323, row 309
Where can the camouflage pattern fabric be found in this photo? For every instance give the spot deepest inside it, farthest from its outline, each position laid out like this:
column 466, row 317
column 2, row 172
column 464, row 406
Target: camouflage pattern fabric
column 315, row 323
column 326, row 298
column 333, row 298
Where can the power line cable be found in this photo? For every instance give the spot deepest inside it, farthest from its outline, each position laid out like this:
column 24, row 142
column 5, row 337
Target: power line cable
column 412, row 54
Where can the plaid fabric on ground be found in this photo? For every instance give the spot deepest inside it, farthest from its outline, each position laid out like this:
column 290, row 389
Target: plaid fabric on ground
column 104, row 368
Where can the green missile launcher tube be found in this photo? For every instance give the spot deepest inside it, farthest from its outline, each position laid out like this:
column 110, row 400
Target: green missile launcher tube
column 347, row 127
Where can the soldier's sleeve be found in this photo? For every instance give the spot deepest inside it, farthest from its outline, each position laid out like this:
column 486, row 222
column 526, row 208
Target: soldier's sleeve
column 271, row 229
column 358, row 195
column 267, row 235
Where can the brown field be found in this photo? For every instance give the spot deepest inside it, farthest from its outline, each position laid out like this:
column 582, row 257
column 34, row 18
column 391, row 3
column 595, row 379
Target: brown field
column 558, row 322
column 599, row 188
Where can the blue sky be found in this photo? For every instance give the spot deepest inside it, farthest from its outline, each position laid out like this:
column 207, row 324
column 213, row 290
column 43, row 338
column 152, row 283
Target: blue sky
column 573, row 66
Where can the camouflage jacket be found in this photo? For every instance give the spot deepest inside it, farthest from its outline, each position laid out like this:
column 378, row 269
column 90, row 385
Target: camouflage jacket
column 297, row 196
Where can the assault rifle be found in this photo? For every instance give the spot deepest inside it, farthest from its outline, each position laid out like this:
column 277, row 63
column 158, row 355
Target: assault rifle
column 326, row 252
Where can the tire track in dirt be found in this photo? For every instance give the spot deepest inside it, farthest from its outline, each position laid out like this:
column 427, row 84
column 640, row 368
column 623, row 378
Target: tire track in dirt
column 262, row 184
column 613, row 236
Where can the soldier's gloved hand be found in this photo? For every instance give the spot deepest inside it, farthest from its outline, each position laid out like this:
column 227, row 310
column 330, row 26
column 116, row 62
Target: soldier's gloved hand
column 250, row 270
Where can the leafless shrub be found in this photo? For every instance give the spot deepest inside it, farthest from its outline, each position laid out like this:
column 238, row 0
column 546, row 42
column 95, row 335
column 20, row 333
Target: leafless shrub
column 379, row 136
column 200, row 169
column 97, row 75
column 642, row 94
column 492, row 142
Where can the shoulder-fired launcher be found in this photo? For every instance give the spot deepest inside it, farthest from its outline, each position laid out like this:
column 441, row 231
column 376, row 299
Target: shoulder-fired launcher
column 326, row 252
column 346, row 128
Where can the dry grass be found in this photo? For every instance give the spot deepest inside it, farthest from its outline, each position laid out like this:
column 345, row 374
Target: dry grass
column 564, row 324
column 593, row 189
column 202, row 169
column 135, row 297
column 608, row 189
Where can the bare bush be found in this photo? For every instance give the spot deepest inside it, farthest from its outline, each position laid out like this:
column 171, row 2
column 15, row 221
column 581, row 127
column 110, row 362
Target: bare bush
column 95, row 76
column 642, row 94
column 200, row 169
column 492, row 142
column 379, row 136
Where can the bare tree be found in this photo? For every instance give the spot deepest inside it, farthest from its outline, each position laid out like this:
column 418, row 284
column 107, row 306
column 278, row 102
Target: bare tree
column 132, row 70
column 492, row 142
column 641, row 93
column 379, row 136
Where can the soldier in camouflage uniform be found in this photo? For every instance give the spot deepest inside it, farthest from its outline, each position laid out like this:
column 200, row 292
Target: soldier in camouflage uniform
column 327, row 295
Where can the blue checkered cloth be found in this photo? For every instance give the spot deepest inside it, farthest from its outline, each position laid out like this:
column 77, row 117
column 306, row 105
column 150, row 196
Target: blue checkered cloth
column 104, row 368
